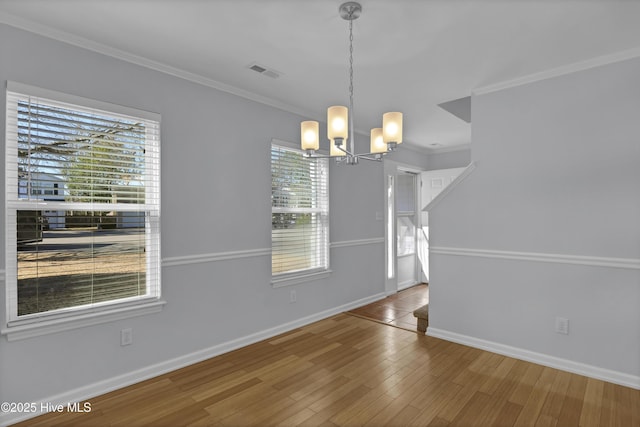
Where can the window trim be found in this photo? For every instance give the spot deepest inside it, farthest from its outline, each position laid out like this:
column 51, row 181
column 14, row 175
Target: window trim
column 301, row 276
column 43, row 323
column 53, row 323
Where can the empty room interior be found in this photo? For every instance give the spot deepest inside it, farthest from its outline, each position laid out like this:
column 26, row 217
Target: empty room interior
column 476, row 160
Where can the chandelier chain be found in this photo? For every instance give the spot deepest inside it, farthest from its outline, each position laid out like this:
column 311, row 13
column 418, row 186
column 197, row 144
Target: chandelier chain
column 351, row 111
column 351, row 61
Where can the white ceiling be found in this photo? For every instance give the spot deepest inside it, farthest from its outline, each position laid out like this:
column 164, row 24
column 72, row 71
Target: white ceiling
column 409, row 55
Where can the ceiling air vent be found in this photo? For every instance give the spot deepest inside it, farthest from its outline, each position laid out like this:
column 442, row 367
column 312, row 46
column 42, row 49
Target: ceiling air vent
column 265, row 71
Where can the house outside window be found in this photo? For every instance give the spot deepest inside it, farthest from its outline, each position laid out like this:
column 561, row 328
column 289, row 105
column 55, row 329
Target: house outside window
column 299, row 214
column 82, row 206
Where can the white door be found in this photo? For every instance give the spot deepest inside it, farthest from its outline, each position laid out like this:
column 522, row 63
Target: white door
column 407, row 223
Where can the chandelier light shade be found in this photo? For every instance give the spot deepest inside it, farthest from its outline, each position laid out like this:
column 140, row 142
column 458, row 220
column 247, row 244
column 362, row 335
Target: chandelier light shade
column 340, row 121
column 337, row 122
column 377, row 143
column 392, row 128
column 309, row 135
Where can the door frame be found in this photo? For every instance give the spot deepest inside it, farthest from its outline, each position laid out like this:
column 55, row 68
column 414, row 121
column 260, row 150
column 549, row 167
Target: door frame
column 391, row 170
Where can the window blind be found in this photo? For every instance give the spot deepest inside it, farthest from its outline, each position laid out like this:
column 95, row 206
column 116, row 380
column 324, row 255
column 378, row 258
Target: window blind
column 83, row 203
column 299, row 212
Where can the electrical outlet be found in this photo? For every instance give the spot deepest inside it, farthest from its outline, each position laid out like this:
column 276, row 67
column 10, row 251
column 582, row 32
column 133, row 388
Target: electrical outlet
column 562, row 325
column 126, row 336
column 292, row 296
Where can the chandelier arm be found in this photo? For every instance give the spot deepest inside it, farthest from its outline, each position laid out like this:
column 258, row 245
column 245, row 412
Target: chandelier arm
column 371, row 154
column 368, row 157
column 347, row 152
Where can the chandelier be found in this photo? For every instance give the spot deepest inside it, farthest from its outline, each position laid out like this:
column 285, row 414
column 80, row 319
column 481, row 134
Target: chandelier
column 340, row 119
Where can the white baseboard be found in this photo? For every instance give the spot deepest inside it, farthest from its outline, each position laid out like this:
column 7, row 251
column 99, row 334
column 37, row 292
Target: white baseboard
column 83, row 394
column 406, row 285
column 608, row 375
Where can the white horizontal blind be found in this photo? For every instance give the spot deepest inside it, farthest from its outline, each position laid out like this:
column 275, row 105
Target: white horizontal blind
column 83, row 203
column 299, row 212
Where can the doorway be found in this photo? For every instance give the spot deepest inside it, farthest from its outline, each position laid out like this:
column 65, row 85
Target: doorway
column 407, row 224
column 402, row 220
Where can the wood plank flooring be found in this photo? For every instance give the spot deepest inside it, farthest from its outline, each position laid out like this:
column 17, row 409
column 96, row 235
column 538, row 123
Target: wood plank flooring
column 349, row 371
column 397, row 309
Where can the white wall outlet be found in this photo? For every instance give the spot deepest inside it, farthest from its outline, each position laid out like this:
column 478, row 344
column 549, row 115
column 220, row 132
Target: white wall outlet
column 292, row 296
column 126, row 336
column 378, row 216
column 562, row 325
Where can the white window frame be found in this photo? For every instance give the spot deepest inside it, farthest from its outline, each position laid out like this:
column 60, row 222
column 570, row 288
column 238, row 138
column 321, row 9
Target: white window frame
column 20, row 327
column 301, row 276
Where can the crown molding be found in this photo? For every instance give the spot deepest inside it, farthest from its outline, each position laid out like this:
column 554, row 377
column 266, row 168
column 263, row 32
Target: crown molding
column 84, row 43
column 449, row 149
column 71, row 39
column 560, row 71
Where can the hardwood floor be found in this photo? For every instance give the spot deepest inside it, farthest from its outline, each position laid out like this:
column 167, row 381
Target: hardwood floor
column 397, row 309
column 348, row 371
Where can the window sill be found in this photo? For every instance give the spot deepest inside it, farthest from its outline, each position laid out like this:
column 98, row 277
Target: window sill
column 299, row 278
column 53, row 325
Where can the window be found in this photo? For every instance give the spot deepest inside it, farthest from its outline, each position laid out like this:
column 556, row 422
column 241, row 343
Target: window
column 299, row 213
column 82, row 206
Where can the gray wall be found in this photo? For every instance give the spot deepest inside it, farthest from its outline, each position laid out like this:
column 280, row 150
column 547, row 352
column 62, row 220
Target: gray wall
column 548, row 225
column 215, row 199
column 432, row 159
column 449, row 159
